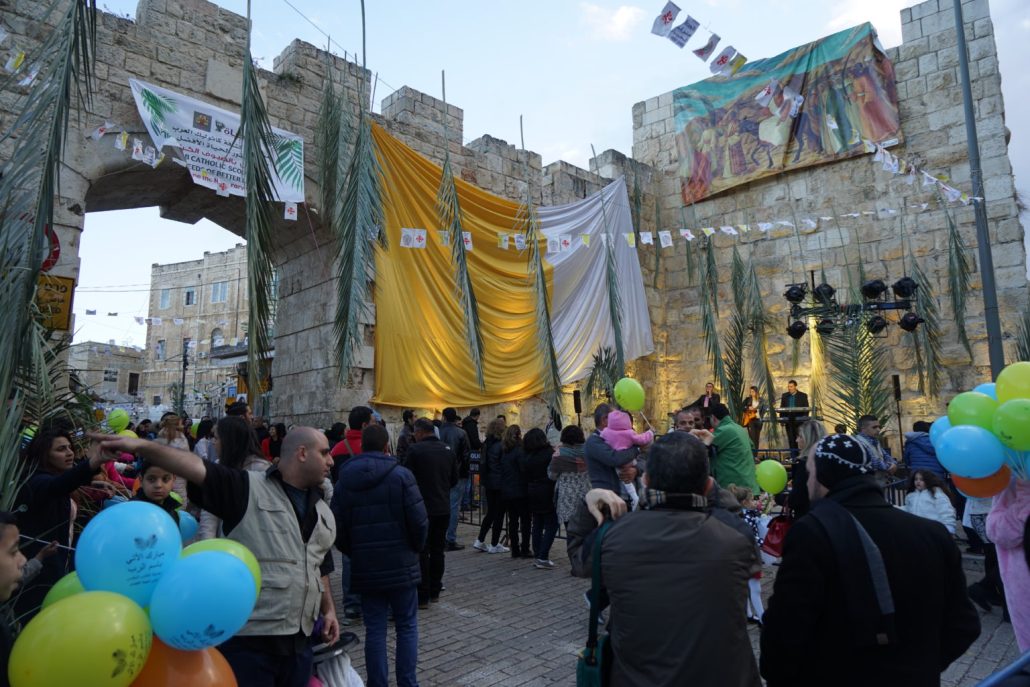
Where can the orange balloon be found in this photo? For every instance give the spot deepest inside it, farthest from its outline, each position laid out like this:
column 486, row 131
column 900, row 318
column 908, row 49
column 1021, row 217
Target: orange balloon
column 168, row 667
column 984, row 486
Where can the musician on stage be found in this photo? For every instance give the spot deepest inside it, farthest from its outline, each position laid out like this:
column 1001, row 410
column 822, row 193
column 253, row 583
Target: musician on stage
column 706, row 402
column 788, row 401
column 754, row 409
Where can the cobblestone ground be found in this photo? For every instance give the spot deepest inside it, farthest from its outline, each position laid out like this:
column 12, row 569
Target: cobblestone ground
column 502, row 622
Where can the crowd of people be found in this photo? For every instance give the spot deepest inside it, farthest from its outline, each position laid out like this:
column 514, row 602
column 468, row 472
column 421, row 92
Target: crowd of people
column 862, row 584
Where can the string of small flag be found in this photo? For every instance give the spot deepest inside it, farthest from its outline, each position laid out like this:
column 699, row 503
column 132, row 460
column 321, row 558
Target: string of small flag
column 727, row 63
column 16, row 62
column 902, row 167
column 158, row 321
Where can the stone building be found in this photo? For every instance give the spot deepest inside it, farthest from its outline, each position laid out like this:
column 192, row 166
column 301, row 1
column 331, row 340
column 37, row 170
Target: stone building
column 198, row 307
column 197, row 48
column 108, row 372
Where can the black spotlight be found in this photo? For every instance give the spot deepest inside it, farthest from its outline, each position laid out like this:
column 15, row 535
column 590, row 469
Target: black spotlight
column 795, row 293
column 876, row 324
column 824, row 293
column 905, row 287
column 872, row 290
column 826, row 326
column 797, row 329
column 909, row 321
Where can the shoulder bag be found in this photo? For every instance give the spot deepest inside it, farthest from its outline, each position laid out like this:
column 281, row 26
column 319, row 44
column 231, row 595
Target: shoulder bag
column 593, row 667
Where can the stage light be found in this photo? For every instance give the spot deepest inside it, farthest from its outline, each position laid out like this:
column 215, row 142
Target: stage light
column 876, row 324
column 826, row 326
column 795, row 293
column 797, row 329
column 910, row 321
column 873, row 289
column 905, row 287
column 824, row 293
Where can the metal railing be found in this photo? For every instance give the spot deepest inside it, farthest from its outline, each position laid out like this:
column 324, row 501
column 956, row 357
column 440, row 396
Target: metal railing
column 1001, row 677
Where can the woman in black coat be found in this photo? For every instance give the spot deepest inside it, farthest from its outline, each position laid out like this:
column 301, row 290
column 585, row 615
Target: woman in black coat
column 537, row 454
column 490, row 479
column 45, row 511
column 515, row 492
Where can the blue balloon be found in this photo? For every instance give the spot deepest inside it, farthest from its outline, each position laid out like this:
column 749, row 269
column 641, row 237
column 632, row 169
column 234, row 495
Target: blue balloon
column 938, row 428
column 126, row 549
column 188, row 526
column 987, row 388
column 202, row 600
column 970, row 451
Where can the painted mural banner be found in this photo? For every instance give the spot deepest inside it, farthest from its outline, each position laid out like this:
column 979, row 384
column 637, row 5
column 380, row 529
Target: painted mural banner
column 807, row 106
column 205, row 136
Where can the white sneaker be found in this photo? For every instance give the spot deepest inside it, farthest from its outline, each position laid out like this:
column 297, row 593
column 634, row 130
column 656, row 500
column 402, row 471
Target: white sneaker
column 500, row 548
column 480, row 546
column 543, row 565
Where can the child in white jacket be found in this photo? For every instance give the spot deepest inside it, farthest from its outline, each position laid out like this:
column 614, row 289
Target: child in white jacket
column 928, row 498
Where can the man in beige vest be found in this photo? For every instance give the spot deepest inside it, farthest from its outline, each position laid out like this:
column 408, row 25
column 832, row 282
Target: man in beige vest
column 281, row 517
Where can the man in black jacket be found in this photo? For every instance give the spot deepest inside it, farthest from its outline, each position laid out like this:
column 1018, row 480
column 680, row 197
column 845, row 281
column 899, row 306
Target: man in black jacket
column 452, row 434
column 381, row 524
column 788, row 401
column 867, row 594
column 436, row 471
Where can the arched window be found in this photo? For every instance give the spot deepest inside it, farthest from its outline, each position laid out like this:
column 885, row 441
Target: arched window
column 216, row 337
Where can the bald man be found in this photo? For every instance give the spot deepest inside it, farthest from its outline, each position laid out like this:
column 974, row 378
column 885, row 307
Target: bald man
column 280, row 515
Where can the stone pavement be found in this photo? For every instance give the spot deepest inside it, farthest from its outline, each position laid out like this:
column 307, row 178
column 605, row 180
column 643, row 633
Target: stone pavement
column 502, row 622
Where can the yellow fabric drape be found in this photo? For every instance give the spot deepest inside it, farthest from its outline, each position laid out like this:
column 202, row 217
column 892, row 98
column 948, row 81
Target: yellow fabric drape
column 421, row 358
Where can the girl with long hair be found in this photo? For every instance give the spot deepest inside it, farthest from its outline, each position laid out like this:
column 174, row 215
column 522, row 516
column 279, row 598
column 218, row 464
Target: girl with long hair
column 490, row 479
column 515, row 492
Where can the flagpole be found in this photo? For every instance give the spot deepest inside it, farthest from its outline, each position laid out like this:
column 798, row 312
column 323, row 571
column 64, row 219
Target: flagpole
column 995, row 352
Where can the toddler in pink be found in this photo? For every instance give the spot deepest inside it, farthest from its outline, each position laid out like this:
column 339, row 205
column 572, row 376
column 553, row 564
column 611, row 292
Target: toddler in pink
column 619, row 435
column 1006, row 527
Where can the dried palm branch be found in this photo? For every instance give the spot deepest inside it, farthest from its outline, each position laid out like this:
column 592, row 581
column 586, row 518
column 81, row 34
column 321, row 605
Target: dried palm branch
column 691, row 265
column 637, row 201
column 29, row 184
column 735, row 339
column 258, row 149
column 528, row 221
column 709, row 318
column 657, row 240
column 710, row 275
column 355, row 228
column 448, row 209
column 926, row 340
column 760, row 322
column 612, row 282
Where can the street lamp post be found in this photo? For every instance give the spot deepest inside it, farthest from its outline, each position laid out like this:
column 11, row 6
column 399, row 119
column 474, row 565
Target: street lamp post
column 995, row 351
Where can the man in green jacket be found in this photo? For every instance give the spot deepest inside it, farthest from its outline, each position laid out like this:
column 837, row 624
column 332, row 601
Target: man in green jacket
column 734, row 462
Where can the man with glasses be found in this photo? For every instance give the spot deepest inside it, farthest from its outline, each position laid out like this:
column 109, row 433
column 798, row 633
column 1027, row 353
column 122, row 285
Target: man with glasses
column 869, row 435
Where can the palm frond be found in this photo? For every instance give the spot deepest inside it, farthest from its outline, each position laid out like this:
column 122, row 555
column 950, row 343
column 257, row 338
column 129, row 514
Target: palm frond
column 657, row 240
column 604, row 373
column 857, row 376
column 258, row 149
column 1023, row 336
column 926, row 340
column 358, row 224
column 528, row 221
column 691, row 265
column 330, row 148
column 710, row 275
column 709, row 317
column 959, row 272
column 735, row 340
column 636, row 202
column 759, row 323
column 28, row 185
column 289, row 160
column 448, row 209
column 612, row 282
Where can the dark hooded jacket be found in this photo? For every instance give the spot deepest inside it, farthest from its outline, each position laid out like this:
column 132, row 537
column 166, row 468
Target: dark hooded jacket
column 381, row 522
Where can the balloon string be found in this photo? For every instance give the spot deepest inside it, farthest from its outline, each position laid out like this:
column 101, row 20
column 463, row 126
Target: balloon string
column 43, row 541
column 648, row 422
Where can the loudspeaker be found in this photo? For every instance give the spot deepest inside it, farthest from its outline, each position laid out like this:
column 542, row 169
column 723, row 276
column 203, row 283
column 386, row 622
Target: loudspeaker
column 897, row 386
column 577, row 402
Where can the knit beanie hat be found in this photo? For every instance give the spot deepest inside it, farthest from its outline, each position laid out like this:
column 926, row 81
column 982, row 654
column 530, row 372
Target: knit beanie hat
column 839, row 457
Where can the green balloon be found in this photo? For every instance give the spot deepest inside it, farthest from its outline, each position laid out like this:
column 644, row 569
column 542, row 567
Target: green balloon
column 118, row 420
column 1012, row 423
column 629, row 394
column 1014, row 382
column 233, row 548
column 972, row 408
column 69, row 585
column 772, row 476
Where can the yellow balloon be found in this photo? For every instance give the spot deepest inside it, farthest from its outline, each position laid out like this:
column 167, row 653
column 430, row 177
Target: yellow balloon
column 128, row 433
column 99, row 639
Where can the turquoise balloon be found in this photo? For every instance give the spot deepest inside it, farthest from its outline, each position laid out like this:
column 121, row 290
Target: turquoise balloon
column 938, row 428
column 126, row 549
column 188, row 526
column 970, row 451
column 202, row 600
column 987, row 389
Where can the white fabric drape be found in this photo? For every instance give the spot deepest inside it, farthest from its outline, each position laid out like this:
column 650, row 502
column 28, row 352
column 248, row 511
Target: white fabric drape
column 580, row 317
